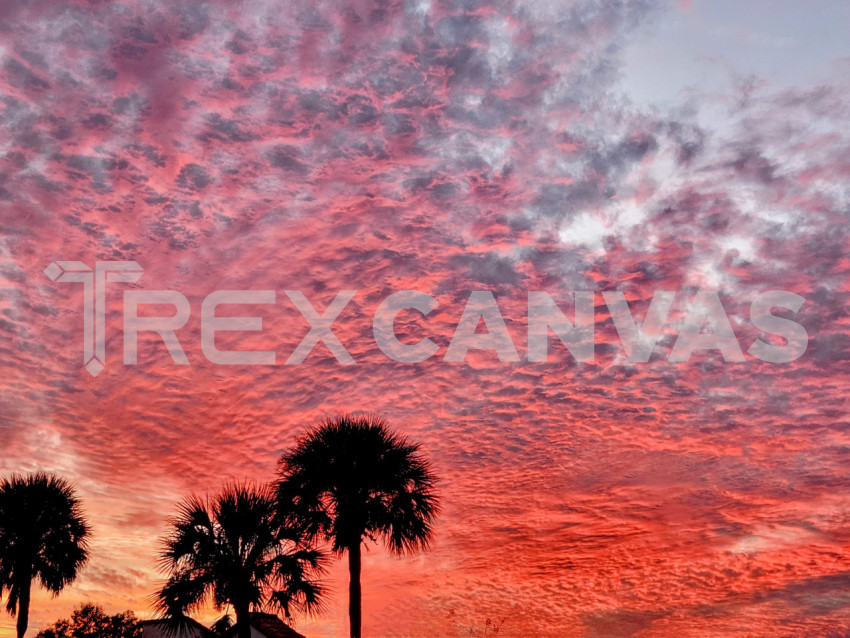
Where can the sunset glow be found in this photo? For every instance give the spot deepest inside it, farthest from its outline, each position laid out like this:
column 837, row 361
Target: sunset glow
column 448, row 147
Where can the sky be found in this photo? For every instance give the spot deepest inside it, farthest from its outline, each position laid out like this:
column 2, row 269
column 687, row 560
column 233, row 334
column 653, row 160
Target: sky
column 447, row 147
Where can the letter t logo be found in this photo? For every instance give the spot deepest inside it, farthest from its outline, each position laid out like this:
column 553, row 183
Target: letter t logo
column 94, row 301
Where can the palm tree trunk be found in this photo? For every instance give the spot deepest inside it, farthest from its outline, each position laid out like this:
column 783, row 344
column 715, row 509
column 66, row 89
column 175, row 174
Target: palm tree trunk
column 243, row 620
column 23, row 606
column 354, row 617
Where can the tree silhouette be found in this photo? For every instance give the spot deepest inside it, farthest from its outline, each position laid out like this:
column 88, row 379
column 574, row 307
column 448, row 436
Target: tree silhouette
column 43, row 535
column 89, row 621
column 234, row 549
column 351, row 480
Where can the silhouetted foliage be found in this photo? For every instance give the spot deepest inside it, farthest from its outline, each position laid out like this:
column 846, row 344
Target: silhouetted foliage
column 89, row 621
column 351, row 480
column 223, row 625
column 234, row 550
column 43, row 536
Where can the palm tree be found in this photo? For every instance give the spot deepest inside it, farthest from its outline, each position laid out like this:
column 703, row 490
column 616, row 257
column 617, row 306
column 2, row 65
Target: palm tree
column 43, row 535
column 351, row 480
column 236, row 550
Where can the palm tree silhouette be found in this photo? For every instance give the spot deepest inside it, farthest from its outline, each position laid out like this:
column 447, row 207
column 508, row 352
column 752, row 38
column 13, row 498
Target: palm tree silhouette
column 351, row 480
column 236, row 550
column 43, row 535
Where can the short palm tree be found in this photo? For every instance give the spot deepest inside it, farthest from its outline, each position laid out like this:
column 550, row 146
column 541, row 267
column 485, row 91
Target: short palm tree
column 43, row 536
column 235, row 550
column 351, row 480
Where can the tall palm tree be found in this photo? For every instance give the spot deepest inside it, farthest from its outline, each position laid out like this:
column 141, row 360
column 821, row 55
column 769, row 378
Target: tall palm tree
column 43, row 535
column 351, row 480
column 236, row 550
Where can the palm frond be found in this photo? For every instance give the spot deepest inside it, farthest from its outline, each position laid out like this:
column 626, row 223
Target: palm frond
column 43, row 534
column 353, row 478
column 234, row 549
